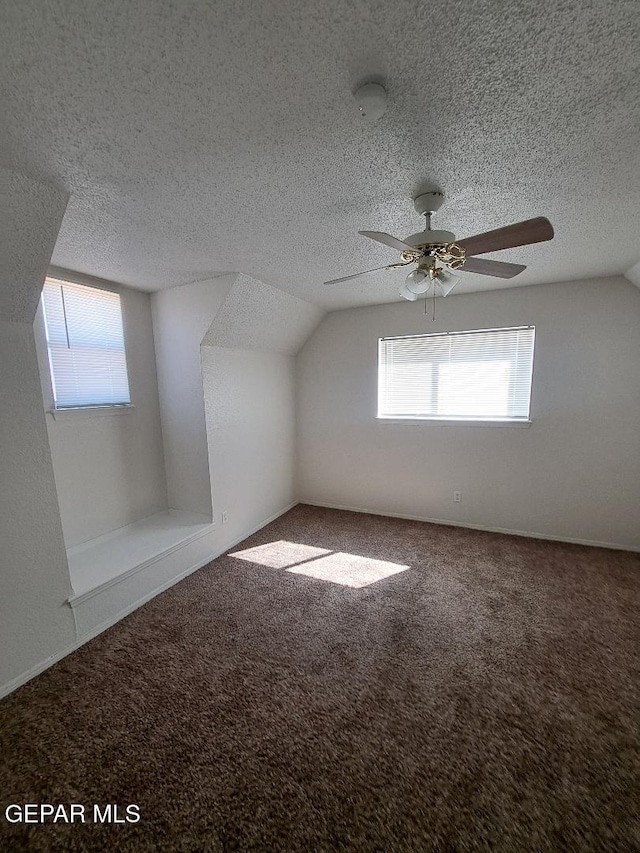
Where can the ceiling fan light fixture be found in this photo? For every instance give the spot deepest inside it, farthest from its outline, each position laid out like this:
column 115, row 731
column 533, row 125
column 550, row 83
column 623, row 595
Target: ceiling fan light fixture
column 445, row 282
column 418, row 282
column 406, row 293
column 446, row 288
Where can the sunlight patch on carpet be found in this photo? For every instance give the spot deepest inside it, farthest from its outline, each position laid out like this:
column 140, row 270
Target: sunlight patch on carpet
column 334, row 566
column 348, row 569
column 280, row 555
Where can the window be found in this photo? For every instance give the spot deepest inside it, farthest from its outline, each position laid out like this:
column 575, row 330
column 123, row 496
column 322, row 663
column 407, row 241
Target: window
column 86, row 345
column 470, row 376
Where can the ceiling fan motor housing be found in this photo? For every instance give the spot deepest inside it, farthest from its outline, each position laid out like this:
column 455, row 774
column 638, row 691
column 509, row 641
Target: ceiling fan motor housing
column 430, row 238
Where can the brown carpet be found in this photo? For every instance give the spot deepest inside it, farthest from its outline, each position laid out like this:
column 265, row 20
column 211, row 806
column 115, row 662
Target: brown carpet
column 484, row 698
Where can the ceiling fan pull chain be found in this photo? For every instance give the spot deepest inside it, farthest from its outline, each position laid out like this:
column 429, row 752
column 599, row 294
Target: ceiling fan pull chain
column 426, row 302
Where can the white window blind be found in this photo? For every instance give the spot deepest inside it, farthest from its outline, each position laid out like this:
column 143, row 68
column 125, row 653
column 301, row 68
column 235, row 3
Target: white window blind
column 476, row 375
column 86, row 345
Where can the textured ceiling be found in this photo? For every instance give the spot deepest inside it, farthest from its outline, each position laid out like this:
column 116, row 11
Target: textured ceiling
column 198, row 137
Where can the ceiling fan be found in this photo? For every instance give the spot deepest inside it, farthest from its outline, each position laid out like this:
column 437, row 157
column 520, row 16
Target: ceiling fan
column 429, row 248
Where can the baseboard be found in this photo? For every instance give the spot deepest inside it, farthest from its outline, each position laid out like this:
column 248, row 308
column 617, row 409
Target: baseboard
column 12, row 685
column 21, row 679
column 527, row 534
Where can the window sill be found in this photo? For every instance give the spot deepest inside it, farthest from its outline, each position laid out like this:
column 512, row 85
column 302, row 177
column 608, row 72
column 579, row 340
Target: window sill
column 100, row 563
column 89, row 411
column 450, row 422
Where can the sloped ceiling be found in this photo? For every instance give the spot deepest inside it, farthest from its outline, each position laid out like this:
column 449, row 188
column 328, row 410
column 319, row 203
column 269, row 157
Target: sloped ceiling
column 633, row 274
column 30, row 216
column 255, row 315
column 198, row 137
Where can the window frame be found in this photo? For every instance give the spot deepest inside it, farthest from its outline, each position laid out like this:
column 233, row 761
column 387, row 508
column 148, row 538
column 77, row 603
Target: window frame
column 414, row 420
column 91, row 409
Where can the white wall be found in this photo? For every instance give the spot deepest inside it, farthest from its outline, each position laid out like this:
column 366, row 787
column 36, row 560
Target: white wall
column 35, row 620
column 247, row 333
column 109, row 467
column 249, row 390
column 181, row 318
column 574, row 473
column 251, row 431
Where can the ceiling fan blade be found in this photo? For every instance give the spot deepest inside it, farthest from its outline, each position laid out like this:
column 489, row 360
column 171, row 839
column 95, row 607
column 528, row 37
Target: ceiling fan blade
column 484, row 266
column 388, row 240
column 521, row 234
column 355, row 275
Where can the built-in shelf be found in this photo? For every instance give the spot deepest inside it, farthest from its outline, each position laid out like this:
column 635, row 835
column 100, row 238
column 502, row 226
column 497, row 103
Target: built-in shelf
column 102, row 562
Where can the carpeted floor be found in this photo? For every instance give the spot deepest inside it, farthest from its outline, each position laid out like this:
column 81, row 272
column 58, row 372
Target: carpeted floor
column 480, row 693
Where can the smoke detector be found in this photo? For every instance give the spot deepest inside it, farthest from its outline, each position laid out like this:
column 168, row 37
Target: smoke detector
column 372, row 101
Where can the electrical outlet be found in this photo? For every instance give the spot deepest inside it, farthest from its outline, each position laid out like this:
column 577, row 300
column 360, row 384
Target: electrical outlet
column 225, row 517
column 457, row 497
